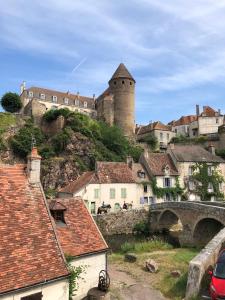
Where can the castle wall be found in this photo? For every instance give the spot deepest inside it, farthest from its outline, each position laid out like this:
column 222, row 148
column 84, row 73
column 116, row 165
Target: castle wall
column 105, row 109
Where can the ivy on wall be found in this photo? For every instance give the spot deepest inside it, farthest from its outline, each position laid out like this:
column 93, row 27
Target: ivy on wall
column 160, row 192
column 202, row 179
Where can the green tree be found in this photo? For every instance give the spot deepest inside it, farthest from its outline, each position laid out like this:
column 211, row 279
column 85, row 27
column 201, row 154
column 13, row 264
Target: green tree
column 11, row 102
column 206, row 176
column 151, row 140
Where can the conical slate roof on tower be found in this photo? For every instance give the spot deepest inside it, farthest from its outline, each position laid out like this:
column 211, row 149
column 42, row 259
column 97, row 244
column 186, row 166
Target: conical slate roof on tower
column 122, row 72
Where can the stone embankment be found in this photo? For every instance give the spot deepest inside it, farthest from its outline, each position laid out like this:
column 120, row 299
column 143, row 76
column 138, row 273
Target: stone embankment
column 121, row 222
column 201, row 263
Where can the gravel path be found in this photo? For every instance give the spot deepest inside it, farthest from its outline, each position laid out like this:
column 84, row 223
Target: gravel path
column 124, row 287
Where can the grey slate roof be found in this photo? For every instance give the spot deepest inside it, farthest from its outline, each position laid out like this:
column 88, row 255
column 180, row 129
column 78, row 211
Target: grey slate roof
column 122, row 72
column 194, row 153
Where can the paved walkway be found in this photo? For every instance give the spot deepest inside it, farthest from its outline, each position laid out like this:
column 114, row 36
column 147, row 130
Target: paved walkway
column 124, row 287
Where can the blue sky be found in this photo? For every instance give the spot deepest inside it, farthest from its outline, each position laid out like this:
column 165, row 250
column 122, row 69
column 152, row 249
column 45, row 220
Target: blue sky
column 174, row 49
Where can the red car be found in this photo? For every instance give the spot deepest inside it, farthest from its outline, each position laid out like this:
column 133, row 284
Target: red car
column 217, row 284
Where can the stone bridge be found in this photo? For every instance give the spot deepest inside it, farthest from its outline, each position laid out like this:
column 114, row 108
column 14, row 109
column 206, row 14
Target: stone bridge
column 199, row 221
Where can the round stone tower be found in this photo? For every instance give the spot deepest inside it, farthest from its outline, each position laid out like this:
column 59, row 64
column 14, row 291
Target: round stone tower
column 122, row 86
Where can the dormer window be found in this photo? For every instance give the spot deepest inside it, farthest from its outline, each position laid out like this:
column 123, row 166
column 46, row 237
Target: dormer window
column 57, row 210
column 31, row 94
column 85, row 104
column 77, row 102
column 42, row 96
column 54, row 99
column 141, row 174
column 66, row 101
column 166, row 170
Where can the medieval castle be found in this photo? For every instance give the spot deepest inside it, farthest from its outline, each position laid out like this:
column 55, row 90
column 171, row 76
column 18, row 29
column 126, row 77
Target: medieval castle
column 116, row 105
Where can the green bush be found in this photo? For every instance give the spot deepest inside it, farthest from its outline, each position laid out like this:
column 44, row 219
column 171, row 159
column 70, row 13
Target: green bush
column 151, row 140
column 46, row 151
column 61, row 140
column 141, row 228
column 11, row 102
column 53, row 114
column 22, row 142
column 221, row 153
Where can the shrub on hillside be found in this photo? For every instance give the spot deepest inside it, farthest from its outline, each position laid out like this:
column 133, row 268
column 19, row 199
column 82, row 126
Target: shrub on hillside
column 53, row 114
column 22, row 142
column 221, row 153
column 11, row 102
column 151, row 140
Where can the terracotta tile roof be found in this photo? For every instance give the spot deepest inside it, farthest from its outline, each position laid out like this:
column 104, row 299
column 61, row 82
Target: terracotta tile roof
column 185, row 120
column 208, row 112
column 80, row 235
column 153, row 126
column 29, row 252
column 157, row 163
column 106, row 172
column 114, row 172
column 61, row 96
column 78, row 184
column 194, row 153
column 122, row 72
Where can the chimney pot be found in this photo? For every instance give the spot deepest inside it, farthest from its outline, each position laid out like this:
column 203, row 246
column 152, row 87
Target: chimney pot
column 197, row 110
column 212, row 149
column 34, row 166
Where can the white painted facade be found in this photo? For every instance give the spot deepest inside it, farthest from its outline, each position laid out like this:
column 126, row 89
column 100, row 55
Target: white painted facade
column 58, row 290
column 114, row 194
column 205, row 125
column 93, row 264
column 181, row 130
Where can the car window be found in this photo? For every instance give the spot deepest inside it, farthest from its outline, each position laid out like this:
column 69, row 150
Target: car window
column 219, row 270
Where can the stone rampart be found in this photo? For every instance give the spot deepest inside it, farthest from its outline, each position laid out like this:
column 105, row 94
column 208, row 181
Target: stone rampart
column 121, row 222
column 200, row 264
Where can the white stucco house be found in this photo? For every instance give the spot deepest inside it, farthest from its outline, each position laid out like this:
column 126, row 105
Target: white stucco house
column 112, row 183
column 81, row 240
column 32, row 265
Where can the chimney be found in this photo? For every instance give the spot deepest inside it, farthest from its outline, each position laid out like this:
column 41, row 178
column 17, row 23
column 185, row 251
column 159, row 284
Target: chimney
column 93, row 96
column 212, row 149
column 146, row 153
column 22, row 87
column 130, row 162
column 34, row 166
column 197, row 110
column 219, row 112
column 78, row 95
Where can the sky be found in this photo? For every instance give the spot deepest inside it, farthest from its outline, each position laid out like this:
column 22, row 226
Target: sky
column 175, row 50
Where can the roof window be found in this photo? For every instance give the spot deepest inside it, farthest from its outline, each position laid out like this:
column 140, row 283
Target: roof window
column 42, row 96
column 54, row 99
column 66, row 101
column 57, row 210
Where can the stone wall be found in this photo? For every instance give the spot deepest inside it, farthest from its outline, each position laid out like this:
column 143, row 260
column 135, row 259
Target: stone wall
column 200, row 264
column 54, row 127
column 121, row 222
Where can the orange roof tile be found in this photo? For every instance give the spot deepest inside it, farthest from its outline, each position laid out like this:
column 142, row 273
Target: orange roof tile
column 185, row 120
column 80, row 235
column 27, row 238
column 157, row 163
column 153, row 126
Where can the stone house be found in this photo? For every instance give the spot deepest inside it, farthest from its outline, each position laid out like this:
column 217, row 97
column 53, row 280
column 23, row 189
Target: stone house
column 185, row 157
column 162, row 132
column 36, row 101
column 112, row 183
column 33, row 266
column 182, row 126
column 207, row 122
column 163, row 172
column 81, row 240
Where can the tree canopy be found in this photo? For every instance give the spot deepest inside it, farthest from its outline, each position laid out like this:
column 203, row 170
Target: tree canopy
column 11, row 102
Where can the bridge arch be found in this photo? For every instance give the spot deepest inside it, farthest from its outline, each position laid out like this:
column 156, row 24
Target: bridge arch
column 205, row 229
column 167, row 219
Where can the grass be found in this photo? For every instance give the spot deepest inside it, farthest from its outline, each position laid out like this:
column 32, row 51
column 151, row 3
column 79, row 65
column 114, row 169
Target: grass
column 168, row 260
column 142, row 247
column 6, row 120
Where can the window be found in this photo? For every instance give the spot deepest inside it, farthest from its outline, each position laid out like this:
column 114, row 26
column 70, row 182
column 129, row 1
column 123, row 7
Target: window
column 58, row 216
column 31, row 94
column 96, row 193
column 117, row 207
column 42, row 96
column 167, row 197
column 161, row 136
column 77, row 102
column 85, row 104
column 123, row 82
column 168, row 137
column 130, row 83
column 145, row 188
column 112, row 193
column 66, row 101
column 167, row 182
column 114, row 82
column 190, row 170
column 210, row 187
column 145, row 200
column 93, row 207
column 141, row 174
column 210, row 170
column 217, row 121
column 123, row 193
column 36, row 296
column 191, row 185
column 54, row 99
